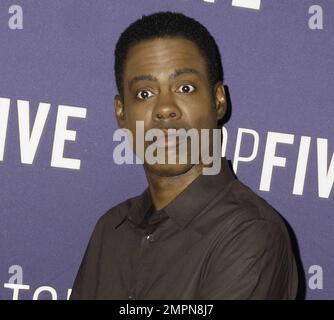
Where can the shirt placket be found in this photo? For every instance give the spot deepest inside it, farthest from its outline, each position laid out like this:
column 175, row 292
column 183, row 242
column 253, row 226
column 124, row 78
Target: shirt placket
column 147, row 253
column 143, row 260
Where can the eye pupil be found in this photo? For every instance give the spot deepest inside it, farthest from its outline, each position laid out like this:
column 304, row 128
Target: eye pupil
column 186, row 88
column 144, row 94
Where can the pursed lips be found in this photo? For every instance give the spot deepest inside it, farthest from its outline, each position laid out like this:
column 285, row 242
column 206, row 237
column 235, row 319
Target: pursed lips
column 171, row 138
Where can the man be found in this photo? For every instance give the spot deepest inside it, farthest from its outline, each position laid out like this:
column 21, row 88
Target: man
column 188, row 235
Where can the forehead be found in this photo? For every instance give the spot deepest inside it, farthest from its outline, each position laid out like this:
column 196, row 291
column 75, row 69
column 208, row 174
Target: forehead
column 163, row 55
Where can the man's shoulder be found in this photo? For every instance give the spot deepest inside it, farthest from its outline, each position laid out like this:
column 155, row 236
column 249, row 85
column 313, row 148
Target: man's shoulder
column 118, row 212
column 244, row 222
column 252, row 205
column 238, row 209
column 240, row 214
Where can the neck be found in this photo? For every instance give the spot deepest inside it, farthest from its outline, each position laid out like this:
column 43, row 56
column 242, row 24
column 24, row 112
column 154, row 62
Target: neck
column 164, row 189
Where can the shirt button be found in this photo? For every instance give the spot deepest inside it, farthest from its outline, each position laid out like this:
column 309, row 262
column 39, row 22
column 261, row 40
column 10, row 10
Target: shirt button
column 131, row 297
column 150, row 237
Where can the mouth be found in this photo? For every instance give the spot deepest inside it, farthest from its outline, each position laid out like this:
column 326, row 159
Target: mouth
column 171, row 139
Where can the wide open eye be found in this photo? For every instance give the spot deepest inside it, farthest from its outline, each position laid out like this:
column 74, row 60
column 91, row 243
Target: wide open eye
column 144, row 94
column 186, row 88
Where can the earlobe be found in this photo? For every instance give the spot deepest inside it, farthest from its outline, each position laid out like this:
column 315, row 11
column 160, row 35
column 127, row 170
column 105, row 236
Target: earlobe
column 220, row 100
column 119, row 110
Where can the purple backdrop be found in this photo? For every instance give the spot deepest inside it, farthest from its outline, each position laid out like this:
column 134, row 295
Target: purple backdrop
column 279, row 71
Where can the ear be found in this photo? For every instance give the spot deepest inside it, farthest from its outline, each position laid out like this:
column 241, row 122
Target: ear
column 220, row 99
column 119, row 111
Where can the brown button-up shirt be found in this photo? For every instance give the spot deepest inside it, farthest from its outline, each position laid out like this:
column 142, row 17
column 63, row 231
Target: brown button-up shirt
column 216, row 240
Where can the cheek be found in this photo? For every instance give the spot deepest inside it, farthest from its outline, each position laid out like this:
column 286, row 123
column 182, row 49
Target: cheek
column 206, row 121
column 138, row 115
column 200, row 116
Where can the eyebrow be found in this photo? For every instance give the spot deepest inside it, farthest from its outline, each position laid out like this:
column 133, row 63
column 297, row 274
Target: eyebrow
column 172, row 76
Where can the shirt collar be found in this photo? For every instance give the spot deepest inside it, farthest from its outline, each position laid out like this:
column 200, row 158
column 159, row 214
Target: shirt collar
column 190, row 202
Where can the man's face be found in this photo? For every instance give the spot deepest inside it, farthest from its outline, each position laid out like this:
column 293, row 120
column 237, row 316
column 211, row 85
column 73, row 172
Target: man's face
column 166, row 85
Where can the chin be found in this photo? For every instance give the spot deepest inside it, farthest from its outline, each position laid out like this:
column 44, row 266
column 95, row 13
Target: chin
column 168, row 170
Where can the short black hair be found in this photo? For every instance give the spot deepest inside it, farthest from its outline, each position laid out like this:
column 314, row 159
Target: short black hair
column 163, row 25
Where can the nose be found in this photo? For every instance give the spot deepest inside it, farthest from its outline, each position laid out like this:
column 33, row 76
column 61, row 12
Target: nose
column 166, row 110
